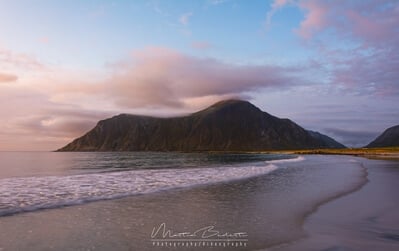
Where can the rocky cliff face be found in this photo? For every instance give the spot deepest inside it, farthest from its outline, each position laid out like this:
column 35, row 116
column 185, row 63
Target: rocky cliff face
column 389, row 138
column 231, row 125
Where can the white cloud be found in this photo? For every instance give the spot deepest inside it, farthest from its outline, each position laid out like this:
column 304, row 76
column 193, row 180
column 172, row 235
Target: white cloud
column 185, row 18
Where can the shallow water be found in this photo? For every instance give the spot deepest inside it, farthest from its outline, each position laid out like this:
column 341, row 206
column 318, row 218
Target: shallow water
column 28, row 164
column 269, row 208
column 84, row 177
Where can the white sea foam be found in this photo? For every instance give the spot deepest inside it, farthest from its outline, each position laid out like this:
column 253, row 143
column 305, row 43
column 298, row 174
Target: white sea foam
column 296, row 159
column 32, row 193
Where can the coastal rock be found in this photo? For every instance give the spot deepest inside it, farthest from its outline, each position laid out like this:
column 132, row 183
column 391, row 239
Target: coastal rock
column 230, row 125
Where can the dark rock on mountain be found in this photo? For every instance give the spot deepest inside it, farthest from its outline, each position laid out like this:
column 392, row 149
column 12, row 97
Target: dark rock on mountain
column 328, row 141
column 231, row 125
column 389, row 138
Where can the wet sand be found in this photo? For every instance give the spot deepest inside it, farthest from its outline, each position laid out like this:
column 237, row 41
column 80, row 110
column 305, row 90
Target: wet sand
column 269, row 209
column 367, row 219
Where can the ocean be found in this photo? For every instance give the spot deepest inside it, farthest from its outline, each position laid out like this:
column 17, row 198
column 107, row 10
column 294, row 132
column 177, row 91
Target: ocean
column 170, row 201
column 37, row 180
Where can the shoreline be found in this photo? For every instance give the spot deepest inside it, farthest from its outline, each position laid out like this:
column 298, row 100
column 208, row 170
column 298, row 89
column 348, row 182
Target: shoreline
column 324, row 151
column 363, row 219
column 357, row 187
column 270, row 208
column 315, row 209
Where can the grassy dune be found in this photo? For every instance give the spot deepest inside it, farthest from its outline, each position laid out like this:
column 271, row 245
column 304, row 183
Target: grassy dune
column 389, row 152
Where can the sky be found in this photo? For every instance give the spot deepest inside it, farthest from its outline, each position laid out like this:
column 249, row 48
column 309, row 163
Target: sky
column 330, row 66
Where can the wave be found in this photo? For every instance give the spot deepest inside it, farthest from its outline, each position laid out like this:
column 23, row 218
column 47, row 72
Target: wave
column 33, row 193
column 296, row 159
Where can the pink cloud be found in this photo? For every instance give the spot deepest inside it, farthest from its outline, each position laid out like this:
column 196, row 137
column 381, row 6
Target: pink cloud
column 315, row 18
column 5, row 78
column 44, row 40
column 10, row 59
column 163, row 77
column 370, row 20
column 201, row 45
column 375, row 26
column 50, row 108
column 280, row 3
column 37, row 123
column 370, row 30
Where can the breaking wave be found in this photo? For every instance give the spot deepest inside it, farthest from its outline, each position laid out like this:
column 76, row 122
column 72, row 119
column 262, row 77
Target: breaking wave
column 33, row 193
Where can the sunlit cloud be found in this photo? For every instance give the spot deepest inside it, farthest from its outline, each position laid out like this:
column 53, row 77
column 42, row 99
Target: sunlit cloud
column 9, row 59
column 164, row 77
column 6, row 77
column 367, row 60
column 315, row 17
column 34, row 116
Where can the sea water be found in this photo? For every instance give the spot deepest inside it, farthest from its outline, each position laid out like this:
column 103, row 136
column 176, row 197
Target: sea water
column 37, row 180
column 44, row 198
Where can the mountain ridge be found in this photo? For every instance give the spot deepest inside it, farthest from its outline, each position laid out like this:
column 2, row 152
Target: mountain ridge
column 228, row 125
column 330, row 142
column 389, row 138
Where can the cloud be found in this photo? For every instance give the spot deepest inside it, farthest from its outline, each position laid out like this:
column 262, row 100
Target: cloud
column 163, row 77
column 351, row 137
column 315, row 18
column 201, row 45
column 185, row 18
column 358, row 41
column 274, row 7
column 44, row 40
column 370, row 20
column 352, row 120
column 9, row 59
column 37, row 123
column 217, row 2
column 50, row 108
column 60, row 122
column 155, row 6
column 5, row 77
column 37, row 120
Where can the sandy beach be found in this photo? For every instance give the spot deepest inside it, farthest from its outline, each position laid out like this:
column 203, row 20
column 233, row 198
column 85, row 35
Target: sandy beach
column 367, row 219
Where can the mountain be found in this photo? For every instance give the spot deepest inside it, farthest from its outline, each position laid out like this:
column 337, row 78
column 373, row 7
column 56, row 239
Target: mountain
column 328, row 141
column 389, row 138
column 230, row 125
